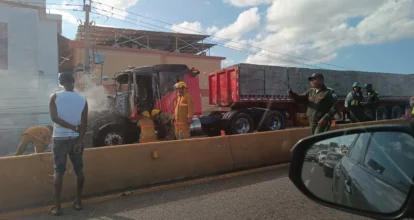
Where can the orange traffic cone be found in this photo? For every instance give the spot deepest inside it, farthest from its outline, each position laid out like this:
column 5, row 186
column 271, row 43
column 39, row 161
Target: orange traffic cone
column 223, row 133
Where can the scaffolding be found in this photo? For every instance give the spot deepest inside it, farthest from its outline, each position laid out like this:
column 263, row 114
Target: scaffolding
column 143, row 39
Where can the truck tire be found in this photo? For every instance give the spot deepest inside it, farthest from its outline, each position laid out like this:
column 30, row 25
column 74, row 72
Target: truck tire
column 241, row 123
column 273, row 121
column 382, row 113
column 110, row 136
column 396, row 112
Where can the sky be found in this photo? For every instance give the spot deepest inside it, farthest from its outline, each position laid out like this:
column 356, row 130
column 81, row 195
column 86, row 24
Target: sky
column 368, row 35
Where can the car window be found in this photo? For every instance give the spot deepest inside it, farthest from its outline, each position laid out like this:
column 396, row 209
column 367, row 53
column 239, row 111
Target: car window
column 345, row 142
column 391, row 154
column 357, row 150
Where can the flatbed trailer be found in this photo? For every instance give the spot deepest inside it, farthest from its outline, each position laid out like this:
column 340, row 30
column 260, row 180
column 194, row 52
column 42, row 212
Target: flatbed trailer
column 248, row 97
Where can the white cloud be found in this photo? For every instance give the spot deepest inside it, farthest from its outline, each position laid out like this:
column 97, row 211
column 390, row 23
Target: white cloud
column 188, row 27
column 316, row 30
column 66, row 16
column 247, row 21
column 239, row 44
column 211, row 30
column 226, row 63
column 107, row 7
column 247, row 3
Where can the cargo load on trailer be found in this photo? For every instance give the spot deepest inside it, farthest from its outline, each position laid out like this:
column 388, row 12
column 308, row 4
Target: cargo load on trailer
column 248, row 97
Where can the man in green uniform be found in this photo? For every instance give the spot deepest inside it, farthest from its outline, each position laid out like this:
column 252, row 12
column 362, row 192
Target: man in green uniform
column 322, row 104
column 371, row 103
column 353, row 103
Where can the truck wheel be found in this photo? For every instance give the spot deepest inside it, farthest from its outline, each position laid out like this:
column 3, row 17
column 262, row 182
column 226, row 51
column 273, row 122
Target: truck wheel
column 241, row 123
column 382, row 113
column 110, row 137
column 273, row 120
column 396, row 112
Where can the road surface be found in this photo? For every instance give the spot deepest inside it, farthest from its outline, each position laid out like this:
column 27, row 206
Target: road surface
column 266, row 195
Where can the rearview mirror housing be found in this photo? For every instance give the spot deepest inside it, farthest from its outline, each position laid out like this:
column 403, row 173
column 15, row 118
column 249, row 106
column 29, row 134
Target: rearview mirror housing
column 304, row 153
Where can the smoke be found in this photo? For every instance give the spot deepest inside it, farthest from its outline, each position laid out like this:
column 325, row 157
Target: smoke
column 96, row 95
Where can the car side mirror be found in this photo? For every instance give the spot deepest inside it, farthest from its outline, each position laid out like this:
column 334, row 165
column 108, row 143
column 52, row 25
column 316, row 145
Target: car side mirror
column 366, row 171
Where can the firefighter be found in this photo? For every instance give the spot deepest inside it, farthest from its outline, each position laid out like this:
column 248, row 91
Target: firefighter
column 353, row 103
column 39, row 136
column 371, row 103
column 164, row 122
column 322, row 103
column 183, row 111
column 147, row 128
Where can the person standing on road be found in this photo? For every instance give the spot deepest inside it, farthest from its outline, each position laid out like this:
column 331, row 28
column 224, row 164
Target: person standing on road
column 353, row 103
column 69, row 112
column 147, row 128
column 164, row 121
column 183, row 111
column 39, row 136
column 322, row 103
column 371, row 103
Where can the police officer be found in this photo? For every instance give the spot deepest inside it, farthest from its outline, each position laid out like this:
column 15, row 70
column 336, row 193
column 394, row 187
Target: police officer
column 322, row 103
column 371, row 103
column 353, row 103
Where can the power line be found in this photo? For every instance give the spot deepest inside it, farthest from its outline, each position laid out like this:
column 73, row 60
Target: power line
column 218, row 43
column 283, row 54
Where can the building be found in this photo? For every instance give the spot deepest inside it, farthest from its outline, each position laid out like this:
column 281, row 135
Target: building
column 28, row 66
column 125, row 47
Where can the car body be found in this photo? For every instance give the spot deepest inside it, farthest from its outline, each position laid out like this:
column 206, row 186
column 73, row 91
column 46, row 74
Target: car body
column 363, row 178
column 331, row 160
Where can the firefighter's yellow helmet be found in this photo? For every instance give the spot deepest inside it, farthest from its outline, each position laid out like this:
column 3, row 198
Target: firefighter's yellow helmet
column 180, row 84
column 145, row 114
column 155, row 112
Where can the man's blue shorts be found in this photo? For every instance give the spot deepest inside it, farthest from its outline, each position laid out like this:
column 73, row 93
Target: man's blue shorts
column 62, row 147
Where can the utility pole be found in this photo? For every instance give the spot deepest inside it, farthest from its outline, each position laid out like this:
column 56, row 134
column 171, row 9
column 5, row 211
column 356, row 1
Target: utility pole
column 87, row 9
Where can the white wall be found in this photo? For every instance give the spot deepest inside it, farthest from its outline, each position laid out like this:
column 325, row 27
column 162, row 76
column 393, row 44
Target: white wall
column 24, row 93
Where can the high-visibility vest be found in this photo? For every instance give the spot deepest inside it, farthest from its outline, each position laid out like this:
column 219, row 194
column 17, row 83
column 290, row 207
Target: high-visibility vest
column 356, row 99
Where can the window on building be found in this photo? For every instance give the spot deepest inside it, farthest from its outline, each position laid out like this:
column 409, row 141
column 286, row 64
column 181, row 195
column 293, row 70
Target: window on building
column 3, row 46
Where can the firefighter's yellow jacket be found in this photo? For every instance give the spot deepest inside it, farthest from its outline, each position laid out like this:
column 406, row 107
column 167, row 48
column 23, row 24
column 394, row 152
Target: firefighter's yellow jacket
column 147, row 130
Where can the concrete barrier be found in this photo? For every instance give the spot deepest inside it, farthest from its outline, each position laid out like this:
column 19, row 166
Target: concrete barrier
column 251, row 150
column 28, row 179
